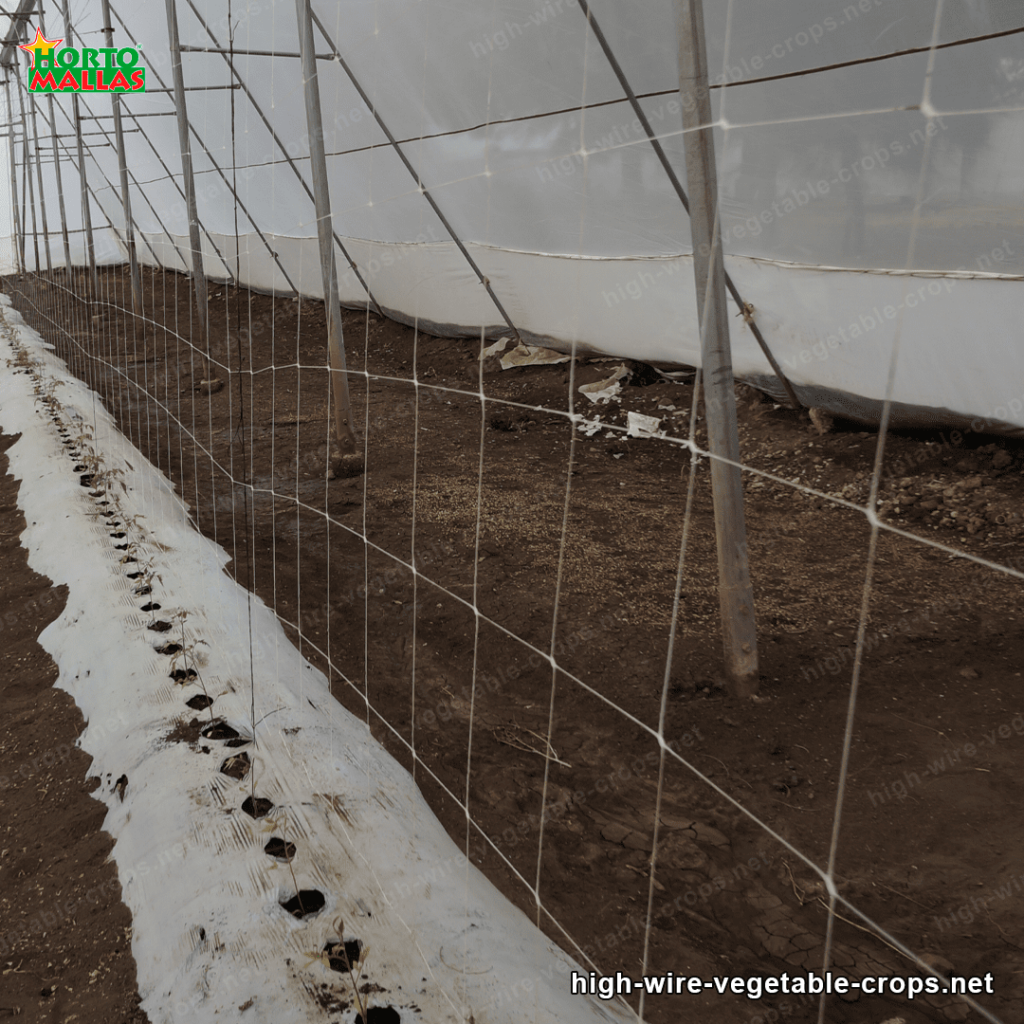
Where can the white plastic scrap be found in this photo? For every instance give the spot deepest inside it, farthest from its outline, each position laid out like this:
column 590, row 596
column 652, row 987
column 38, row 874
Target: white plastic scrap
column 605, row 390
column 639, row 425
column 531, row 355
column 495, row 349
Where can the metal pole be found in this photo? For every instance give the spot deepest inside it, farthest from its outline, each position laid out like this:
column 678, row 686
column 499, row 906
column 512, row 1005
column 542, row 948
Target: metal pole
column 343, row 421
column 423, row 189
column 122, row 166
column 287, row 156
column 19, row 239
column 56, row 169
column 736, row 599
column 39, row 176
column 110, row 184
column 90, row 245
column 26, row 181
column 745, row 310
column 198, row 274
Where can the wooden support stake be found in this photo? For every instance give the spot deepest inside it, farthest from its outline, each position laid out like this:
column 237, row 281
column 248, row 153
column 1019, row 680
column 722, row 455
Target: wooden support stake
column 56, row 170
column 736, row 599
column 19, row 234
column 185, row 145
column 343, row 424
column 90, row 244
column 122, row 166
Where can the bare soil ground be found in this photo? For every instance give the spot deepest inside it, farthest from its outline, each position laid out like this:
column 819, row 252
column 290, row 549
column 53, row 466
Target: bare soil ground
column 65, row 935
column 930, row 842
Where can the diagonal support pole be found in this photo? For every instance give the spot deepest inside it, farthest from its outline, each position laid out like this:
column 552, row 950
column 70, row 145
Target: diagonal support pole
column 287, row 156
column 27, row 190
column 659, row 150
column 56, row 169
column 184, row 144
column 736, row 598
column 423, row 189
column 343, row 419
column 19, row 234
column 122, row 166
column 39, row 179
column 90, row 243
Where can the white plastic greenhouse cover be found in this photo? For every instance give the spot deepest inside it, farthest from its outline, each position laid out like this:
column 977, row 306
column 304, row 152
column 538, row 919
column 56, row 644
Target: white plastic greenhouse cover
column 874, row 204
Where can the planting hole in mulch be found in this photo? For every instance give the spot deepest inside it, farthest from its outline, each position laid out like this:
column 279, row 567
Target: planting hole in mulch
column 160, row 626
column 186, row 732
column 85, row 480
column 121, row 547
column 141, row 591
column 179, row 675
column 128, row 558
column 259, row 808
column 80, row 469
column 305, row 903
column 380, row 1015
column 220, row 731
column 200, row 702
column 343, row 956
column 236, row 766
column 277, row 847
column 119, row 534
column 171, row 648
column 240, row 742
column 151, row 606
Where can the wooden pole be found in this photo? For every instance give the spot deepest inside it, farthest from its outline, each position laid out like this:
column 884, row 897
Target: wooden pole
column 185, row 145
column 19, row 234
column 39, row 178
column 736, row 599
column 122, row 165
column 56, row 170
column 343, row 423
column 90, row 244
column 27, row 191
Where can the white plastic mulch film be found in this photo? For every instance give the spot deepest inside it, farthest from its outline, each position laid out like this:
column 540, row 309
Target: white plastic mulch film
column 878, row 196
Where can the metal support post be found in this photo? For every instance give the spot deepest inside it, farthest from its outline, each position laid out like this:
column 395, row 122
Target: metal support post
column 26, row 181
column 122, row 165
column 659, row 150
column 736, row 599
column 39, row 176
column 90, row 245
column 287, row 156
column 184, row 144
column 56, row 169
column 19, row 235
column 343, row 420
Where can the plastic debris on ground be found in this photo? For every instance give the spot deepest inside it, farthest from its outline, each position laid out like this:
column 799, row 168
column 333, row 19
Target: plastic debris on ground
column 605, row 390
column 639, row 425
column 532, row 355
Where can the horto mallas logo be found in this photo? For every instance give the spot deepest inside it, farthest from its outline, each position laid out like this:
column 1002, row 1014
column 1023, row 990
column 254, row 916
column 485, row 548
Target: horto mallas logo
column 103, row 69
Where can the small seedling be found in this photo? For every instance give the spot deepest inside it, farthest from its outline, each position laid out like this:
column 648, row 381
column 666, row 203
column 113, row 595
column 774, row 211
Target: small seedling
column 188, row 658
column 340, row 953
